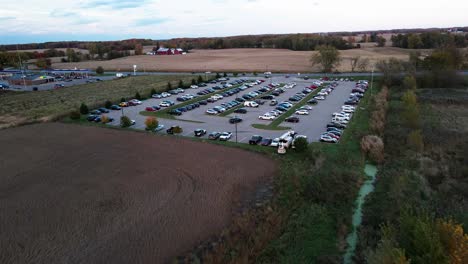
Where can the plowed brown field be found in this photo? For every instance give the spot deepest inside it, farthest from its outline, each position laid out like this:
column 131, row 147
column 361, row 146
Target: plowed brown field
column 77, row 194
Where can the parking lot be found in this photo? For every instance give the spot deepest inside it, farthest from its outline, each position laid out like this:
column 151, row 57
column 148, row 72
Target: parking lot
column 51, row 85
column 311, row 126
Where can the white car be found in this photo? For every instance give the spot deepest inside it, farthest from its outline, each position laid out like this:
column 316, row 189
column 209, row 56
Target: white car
column 266, row 117
column 319, row 97
column 164, row 104
column 132, row 122
column 250, row 104
column 157, row 96
column 193, row 86
column 211, row 112
column 225, row 136
column 135, row 101
column 274, row 142
column 164, row 95
column 348, row 110
column 339, row 120
column 325, row 138
column 302, row 112
column 306, row 107
column 323, row 94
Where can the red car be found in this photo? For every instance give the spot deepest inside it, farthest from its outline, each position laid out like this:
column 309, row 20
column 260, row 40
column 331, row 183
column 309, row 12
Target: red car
column 313, row 86
column 150, row 109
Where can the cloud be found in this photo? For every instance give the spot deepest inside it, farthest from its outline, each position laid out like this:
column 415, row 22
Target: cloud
column 116, row 4
column 61, row 13
column 150, row 21
column 5, row 18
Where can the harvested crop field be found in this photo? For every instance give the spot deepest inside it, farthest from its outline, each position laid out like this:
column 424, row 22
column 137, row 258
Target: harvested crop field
column 78, row 194
column 249, row 60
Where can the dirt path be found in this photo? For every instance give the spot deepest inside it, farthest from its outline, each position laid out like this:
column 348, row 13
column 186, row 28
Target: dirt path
column 76, row 194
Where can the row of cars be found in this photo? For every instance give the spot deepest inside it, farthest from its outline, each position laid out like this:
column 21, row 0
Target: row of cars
column 341, row 119
column 245, row 99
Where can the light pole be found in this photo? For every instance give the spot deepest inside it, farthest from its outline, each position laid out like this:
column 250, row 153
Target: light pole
column 372, row 80
column 236, row 129
column 134, row 70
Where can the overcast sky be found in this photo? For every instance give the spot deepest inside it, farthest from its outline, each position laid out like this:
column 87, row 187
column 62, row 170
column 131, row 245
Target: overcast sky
column 26, row 21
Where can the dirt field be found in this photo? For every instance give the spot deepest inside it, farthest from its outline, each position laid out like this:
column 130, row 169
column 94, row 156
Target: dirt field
column 249, row 60
column 77, row 194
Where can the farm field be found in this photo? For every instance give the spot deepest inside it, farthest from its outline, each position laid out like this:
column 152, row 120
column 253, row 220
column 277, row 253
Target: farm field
column 17, row 108
column 93, row 195
column 249, row 60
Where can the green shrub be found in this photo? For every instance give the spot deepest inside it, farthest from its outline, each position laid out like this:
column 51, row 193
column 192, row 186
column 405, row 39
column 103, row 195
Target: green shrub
column 137, row 96
column 122, row 100
column 108, row 104
column 75, row 115
column 153, row 91
column 218, row 75
column 84, row 109
column 194, row 82
column 181, row 84
column 236, row 74
column 200, row 79
column 301, row 144
column 169, row 85
column 151, row 123
column 225, row 75
column 99, row 70
column 125, row 121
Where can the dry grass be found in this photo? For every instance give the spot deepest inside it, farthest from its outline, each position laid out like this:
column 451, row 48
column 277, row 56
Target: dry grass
column 46, row 105
column 247, row 60
column 373, row 147
column 93, row 195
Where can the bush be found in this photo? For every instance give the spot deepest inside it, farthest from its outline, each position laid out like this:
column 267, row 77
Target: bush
column 181, row 84
column 194, row 82
column 122, row 100
column 137, row 96
column 373, row 147
column 99, row 70
column 225, row 75
column 235, row 74
column 125, row 121
column 105, row 119
column 415, row 140
column 200, row 79
column 301, row 144
column 153, row 91
column 108, row 104
column 177, row 130
column 218, row 75
column 169, row 85
column 151, row 123
column 75, row 115
column 84, row 109
column 255, row 73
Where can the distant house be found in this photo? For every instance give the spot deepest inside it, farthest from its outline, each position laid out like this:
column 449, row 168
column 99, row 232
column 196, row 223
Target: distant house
column 167, row 51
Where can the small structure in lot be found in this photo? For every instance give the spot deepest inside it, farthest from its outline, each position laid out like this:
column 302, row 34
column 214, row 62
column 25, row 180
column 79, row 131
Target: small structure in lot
column 168, row 51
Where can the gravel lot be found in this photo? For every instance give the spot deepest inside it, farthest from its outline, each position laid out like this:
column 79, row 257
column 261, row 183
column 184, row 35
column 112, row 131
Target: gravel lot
column 312, row 125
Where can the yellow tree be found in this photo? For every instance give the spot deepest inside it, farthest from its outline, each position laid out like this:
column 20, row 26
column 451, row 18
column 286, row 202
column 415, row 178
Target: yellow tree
column 454, row 240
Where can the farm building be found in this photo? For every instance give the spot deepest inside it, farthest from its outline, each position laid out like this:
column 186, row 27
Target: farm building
column 33, row 79
column 167, row 51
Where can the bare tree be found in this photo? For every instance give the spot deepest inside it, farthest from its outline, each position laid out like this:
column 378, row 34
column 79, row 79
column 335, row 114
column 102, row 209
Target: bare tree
column 363, row 64
column 327, row 56
column 354, row 62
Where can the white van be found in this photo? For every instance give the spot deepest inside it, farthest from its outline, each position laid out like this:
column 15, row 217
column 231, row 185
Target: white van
column 250, row 104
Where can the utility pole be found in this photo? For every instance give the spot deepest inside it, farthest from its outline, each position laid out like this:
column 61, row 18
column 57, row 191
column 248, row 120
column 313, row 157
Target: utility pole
column 372, row 80
column 236, row 130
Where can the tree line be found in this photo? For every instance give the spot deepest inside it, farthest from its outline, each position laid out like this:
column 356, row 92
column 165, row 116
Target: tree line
column 429, row 40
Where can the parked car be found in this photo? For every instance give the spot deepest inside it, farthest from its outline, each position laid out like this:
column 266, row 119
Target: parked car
column 214, row 135
column 115, row 107
column 240, row 111
column 275, row 142
column 171, row 130
column 123, row 104
column 292, row 119
column 319, row 97
column 273, row 103
column 176, row 112
column 199, row 132
column 135, row 102
column 235, row 120
column 266, row 117
column 250, row 104
column 150, row 109
column 91, row 117
column 211, row 112
column 312, row 101
column 328, row 139
column 159, row 128
column 302, row 112
column 266, row 142
column 225, row 136
column 255, row 140
column 95, row 112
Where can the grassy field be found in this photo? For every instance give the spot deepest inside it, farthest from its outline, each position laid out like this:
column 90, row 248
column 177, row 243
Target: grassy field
column 241, row 60
column 16, row 108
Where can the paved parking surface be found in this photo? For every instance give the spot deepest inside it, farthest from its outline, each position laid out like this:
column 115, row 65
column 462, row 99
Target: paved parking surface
column 50, row 86
column 311, row 126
